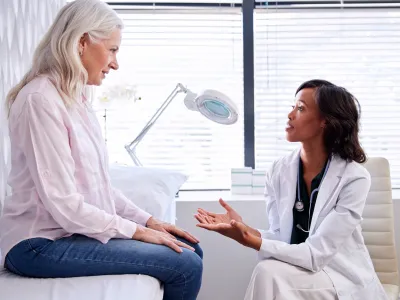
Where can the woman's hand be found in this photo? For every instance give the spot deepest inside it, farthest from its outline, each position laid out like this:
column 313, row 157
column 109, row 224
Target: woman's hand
column 170, row 229
column 151, row 236
column 234, row 230
column 205, row 217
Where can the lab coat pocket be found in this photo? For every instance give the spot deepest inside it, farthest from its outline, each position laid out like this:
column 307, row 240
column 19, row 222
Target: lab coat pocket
column 358, row 270
column 369, row 292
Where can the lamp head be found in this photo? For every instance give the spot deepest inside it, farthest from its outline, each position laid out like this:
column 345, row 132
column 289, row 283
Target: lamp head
column 214, row 105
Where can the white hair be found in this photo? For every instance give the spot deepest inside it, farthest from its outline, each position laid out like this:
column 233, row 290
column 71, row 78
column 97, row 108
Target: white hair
column 57, row 54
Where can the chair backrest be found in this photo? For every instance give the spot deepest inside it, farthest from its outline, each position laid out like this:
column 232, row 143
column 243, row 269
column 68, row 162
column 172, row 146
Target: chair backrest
column 378, row 223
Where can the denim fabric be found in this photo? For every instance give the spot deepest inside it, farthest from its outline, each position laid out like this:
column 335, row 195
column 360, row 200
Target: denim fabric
column 78, row 255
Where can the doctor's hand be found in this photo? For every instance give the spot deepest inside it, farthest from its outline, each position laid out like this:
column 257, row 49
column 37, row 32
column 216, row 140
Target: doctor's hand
column 205, row 217
column 170, row 229
column 226, row 218
column 235, row 230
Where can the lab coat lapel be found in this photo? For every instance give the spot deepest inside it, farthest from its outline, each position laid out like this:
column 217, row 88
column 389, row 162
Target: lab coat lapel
column 328, row 185
column 288, row 195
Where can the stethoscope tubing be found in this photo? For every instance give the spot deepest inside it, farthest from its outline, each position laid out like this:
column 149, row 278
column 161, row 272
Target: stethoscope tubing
column 312, row 194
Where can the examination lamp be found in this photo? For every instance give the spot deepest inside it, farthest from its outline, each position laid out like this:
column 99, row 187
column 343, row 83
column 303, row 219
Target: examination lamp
column 212, row 104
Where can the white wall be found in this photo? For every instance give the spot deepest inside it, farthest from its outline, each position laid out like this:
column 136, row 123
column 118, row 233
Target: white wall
column 22, row 24
column 227, row 264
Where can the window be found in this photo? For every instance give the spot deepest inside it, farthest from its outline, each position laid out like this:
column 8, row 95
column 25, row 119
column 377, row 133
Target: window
column 357, row 48
column 201, row 49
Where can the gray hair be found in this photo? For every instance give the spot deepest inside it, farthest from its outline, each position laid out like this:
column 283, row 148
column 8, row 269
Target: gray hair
column 57, row 54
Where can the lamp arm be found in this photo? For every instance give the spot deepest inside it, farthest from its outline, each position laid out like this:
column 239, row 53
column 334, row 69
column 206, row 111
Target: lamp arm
column 131, row 148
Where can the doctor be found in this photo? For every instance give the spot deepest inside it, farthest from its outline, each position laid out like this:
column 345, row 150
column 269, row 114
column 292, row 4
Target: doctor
column 315, row 198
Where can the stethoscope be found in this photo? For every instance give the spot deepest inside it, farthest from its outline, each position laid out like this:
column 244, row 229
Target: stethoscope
column 299, row 205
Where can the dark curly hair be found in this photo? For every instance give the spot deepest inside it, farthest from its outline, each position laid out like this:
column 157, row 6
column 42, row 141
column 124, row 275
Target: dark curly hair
column 341, row 110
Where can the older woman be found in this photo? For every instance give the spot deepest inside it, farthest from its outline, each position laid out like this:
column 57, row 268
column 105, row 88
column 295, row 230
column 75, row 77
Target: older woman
column 64, row 218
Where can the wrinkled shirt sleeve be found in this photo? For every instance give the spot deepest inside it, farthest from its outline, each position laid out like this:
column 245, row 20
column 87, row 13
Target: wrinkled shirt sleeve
column 128, row 210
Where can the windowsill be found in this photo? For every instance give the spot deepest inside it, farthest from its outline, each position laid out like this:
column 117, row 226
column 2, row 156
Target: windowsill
column 201, row 196
column 215, row 196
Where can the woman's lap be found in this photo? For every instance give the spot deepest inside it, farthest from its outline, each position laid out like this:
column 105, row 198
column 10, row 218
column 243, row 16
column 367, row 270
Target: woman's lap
column 81, row 256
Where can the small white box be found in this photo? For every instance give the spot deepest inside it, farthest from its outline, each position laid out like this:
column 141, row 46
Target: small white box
column 257, row 190
column 241, row 189
column 258, row 177
column 242, row 176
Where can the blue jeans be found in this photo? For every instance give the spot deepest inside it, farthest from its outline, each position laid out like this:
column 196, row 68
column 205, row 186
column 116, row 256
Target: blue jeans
column 79, row 255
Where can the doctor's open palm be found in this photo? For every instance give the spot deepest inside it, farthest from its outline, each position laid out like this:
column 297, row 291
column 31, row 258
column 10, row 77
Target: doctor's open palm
column 229, row 224
column 214, row 218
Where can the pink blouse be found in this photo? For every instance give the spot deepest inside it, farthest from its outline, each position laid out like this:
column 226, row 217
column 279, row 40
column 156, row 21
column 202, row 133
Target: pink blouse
column 59, row 174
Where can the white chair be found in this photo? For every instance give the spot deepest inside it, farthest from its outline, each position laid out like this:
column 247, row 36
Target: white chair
column 378, row 226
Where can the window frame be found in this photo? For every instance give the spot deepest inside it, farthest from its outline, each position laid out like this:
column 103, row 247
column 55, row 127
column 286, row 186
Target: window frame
column 248, row 9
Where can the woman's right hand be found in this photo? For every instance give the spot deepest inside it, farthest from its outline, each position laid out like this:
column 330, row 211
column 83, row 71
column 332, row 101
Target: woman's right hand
column 151, row 236
column 214, row 218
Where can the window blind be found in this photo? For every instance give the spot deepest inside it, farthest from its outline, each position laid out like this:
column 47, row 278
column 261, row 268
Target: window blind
column 357, row 48
column 202, row 49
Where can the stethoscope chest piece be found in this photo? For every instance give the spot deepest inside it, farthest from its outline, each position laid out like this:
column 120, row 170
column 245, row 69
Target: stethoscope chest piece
column 299, row 206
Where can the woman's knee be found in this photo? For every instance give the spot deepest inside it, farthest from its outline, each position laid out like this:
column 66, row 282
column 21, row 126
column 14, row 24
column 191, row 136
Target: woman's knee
column 192, row 265
column 196, row 246
column 198, row 250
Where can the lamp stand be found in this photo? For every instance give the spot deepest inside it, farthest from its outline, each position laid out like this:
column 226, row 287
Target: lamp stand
column 131, row 148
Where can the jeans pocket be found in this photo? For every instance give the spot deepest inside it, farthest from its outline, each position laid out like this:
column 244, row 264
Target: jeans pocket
column 39, row 244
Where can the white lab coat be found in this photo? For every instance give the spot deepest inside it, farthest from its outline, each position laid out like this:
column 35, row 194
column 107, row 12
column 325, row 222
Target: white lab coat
column 335, row 244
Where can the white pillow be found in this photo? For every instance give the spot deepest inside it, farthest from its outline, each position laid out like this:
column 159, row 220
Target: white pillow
column 152, row 189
